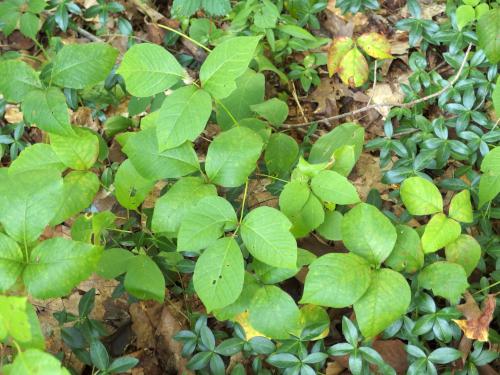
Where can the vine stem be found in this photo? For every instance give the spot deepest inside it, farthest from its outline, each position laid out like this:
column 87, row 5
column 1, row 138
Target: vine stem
column 184, row 36
column 401, row 105
column 486, row 288
column 244, row 201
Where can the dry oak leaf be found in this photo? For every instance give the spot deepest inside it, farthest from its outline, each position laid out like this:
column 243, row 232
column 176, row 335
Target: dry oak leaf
column 477, row 321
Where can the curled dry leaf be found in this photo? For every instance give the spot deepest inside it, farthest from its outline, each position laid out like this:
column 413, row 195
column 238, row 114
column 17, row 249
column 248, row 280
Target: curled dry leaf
column 376, row 45
column 13, row 115
column 477, row 321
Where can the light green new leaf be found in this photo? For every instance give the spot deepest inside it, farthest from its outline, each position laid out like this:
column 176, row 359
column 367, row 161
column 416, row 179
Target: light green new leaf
column 149, row 69
column 80, row 188
column 465, row 15
column 369, row 233
column 332, row 187
column 293, row 197
column 407, row 255
column 466, row 251
column 228, row 61
column 172, row 207
column 488, row 30
column 273, row 312
column 183, row 116
column 29, row 24
column 36, row 362
column 36, row 157
column 386, row 300
column 266, row 234
column 489, row 184
column 143, row 151
column 17, row 79
column 219, row 273
column 495, row 97
column 47, row 110
column 205, row 223
column 273, row 110
column 11, row 262
column 232, row 156
column 250, row 88
column 281, row 154
column 350, row 134
column 113, row 263
column 14, row 319
column 78, row 66
column 331, row 229
column 78, row 152
column 375, row 45
column 336, row 280
column 445, row 279
column 130, row 187
column 344, row 160
column 420, row 196
column 144, row 279
column 491, row 162
column 353, row 69
column 28, row 201
column 439, row 232
column 57, row 265
column 461, row 207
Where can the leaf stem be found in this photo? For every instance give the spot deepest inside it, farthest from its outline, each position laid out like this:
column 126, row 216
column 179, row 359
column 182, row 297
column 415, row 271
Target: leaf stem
column 228, row 112
column 244, row 201
column 271, row 177
column 486, row 288
column 184, row 36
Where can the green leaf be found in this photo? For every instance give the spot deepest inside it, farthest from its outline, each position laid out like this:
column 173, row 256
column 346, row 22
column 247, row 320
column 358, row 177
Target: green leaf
column 331, row 186
column 113, row 263
column 466, row 251
column 79, row 190
column 269, row 303
column 11, row 262
column 9, row 17
column 76, row 152
column 491, row 162
column 219, row 273
column 14, row 320
column 183, row 116
column 368, row 233
column 385, row 301
column 338, row 49
column 250, row 287
column 272, row 275
column 281, row 154
column 205, row 223
column 250, row 88
column 331, row 229
column 304, row 210
column 488, row 30
column 99, row 355
column 375, row 45
column 489, row 188
column 130, row 187
column 266, row 234
column 461, row 207
column 17, row 79
column 47, row 110
column 36, row 362
column 228, row 61
column 420, row 196
column 297, row 32
column 445, row 279
column 346, row 134
column 57, row 265
column 149, row 69
column 143, row 151
column 439, row 232
column 36, row 157
column 465, row 15
column 232, row 156
column 28, row 201
column 495, row 97
column 344, row 160
column 216, row 7
column 78, row 66
column 273, row 110
column 407, row 255
column 29, row 24
column 336, row 280
column 144, row 280
column 353, row 69
column 172, row 207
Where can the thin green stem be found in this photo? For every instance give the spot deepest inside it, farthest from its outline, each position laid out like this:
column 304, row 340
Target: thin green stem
column 271, row 177
column 184, row 36
column 486, row 288
column 244, row 201
column 40, row 46
column 228, row 112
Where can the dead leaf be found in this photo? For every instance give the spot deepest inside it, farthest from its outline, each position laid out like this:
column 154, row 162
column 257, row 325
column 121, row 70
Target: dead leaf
column 334, row 368
column 394, row 354
column 477, row 321
column 13, row 115
column 384, row 93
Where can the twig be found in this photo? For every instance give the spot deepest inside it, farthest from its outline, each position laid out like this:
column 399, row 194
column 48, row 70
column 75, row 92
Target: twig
column 401, row 105
column 374, row 83
column 88, row 35
column 297, row 101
